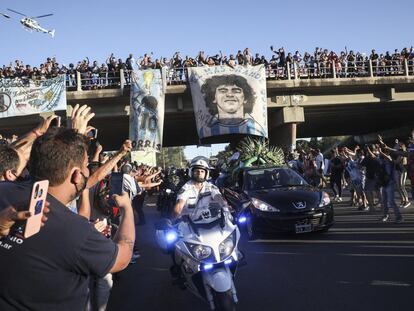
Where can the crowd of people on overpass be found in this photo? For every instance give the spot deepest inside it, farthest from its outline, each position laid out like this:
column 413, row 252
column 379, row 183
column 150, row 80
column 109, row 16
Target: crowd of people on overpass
column 321, row 63
column 373, row 173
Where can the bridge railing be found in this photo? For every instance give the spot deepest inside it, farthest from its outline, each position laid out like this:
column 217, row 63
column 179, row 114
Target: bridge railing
column 388, row 69
column 291, row 71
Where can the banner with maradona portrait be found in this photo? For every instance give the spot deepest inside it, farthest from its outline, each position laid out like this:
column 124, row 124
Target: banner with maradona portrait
column 229, row 100
column 20, row 97
column 146, row 118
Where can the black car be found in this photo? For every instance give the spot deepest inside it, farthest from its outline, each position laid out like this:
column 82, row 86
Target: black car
column 277, row 199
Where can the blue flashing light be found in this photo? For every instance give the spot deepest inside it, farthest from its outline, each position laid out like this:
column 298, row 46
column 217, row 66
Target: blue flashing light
column 171, row 236
column 228, row 261
column 242, row 219
column 208, row 266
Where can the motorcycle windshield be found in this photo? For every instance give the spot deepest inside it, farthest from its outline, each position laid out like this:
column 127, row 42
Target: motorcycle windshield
column 206, row 211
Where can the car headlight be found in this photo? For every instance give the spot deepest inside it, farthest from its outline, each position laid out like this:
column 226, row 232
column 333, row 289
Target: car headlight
column 264, row 206
column 226, row 247
column 325, row 200
column 199, row 251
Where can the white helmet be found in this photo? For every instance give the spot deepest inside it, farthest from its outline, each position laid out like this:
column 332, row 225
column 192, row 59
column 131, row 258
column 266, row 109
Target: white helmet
column 200, row 163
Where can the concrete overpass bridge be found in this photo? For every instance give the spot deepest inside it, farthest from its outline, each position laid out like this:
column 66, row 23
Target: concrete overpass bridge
column 296, row 108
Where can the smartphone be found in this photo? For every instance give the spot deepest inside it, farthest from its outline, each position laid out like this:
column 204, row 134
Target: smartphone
column 115, row 186
column 37, row 203
column 115, row 183
column 93, row 133
column 56, row 122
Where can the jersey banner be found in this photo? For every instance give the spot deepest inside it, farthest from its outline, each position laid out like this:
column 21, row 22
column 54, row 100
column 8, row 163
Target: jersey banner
column 229, row 100
column 23, row 97
column 146, row 118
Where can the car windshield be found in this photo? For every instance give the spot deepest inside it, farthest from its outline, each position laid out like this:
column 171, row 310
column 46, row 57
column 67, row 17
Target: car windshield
column 272, row 177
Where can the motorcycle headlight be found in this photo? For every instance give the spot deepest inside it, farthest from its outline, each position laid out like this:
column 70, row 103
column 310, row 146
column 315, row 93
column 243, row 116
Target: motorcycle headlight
column 171, row 236
column 325, row 200
column 199, row 251
column 264, row 206
column 226, row 247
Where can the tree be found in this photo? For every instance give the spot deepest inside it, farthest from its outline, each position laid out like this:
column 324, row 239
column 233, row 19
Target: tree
column 324, row 143
column 223, row 155
column 171, row 156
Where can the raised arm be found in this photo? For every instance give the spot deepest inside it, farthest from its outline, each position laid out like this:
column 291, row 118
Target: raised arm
column 106, row 168
column 24, row 144
column 125, row 235
column 397, row 152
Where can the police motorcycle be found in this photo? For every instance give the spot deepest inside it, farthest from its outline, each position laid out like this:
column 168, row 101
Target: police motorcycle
column 204, row 245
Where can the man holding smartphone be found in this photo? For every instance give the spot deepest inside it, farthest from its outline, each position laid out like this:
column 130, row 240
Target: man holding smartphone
column 52, row 268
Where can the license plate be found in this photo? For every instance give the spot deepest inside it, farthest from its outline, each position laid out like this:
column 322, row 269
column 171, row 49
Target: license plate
column 303, row 228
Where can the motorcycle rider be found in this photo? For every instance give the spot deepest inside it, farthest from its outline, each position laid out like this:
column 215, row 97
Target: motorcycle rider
column 188, row 195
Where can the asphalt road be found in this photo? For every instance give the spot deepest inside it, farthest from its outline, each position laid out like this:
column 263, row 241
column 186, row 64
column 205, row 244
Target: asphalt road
column 359, row 264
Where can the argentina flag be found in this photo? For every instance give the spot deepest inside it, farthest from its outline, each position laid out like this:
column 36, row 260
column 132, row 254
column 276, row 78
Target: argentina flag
column 229, row 100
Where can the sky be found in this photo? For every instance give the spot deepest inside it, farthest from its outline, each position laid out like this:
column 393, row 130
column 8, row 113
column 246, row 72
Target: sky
column 95, row 29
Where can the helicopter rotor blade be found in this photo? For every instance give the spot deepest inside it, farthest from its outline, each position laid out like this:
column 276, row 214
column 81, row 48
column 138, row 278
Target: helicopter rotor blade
column 5, row 15
column 42, row 16
column 16, row 12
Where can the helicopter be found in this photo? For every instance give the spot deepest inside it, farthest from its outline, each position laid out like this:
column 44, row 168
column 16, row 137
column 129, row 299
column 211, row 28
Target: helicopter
column 31, row 24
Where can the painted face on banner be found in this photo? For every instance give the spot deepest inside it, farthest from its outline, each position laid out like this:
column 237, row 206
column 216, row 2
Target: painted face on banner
column 229, row 98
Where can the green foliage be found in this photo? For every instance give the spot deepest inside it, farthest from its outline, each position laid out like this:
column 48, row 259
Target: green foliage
column 257, row 151
column 223, row 155
column 253, row 152
column 171, row 156
column 324, row 143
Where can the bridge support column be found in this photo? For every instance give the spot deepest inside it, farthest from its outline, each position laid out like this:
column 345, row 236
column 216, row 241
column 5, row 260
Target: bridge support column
column 283, row 136
column 406, row 71
column 78, row 81
column 282, row 126
column 122, row 78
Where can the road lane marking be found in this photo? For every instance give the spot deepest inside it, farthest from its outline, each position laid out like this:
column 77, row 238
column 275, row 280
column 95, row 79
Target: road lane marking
column 390, row 283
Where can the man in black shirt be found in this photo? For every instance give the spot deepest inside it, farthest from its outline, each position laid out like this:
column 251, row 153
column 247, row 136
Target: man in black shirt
column 372, row 166
column 50, row 270
column 337, row 169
